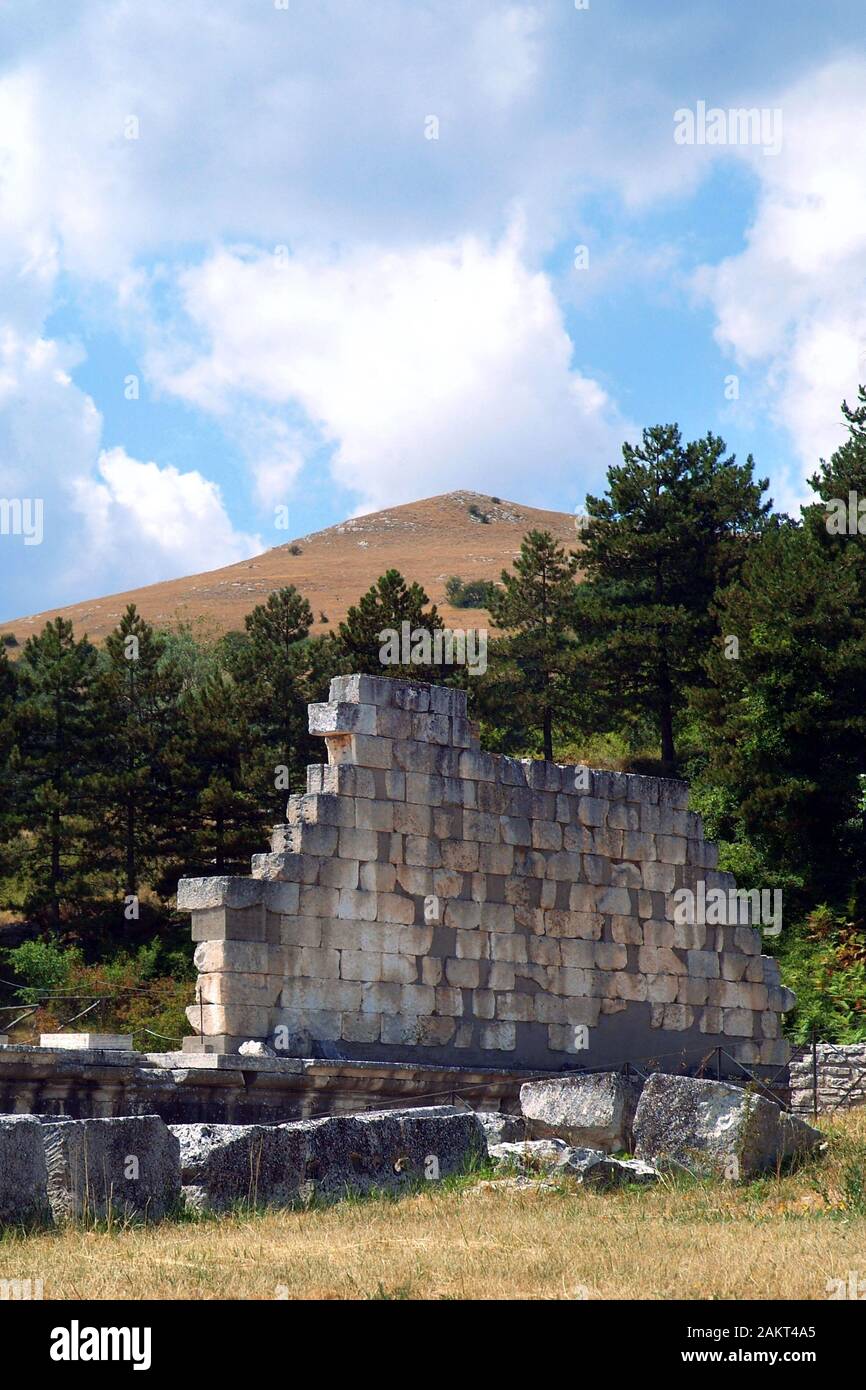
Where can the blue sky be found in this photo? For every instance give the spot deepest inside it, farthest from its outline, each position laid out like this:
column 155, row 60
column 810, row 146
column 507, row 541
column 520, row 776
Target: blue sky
column 334, row 245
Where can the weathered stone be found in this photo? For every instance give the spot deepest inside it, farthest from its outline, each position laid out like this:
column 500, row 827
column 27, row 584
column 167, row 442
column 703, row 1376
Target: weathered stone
column 23, row 1175
column 594, row 1110
column 227, row 1165
column 125, row 1166
column 499, row 1128
column 714, row 1127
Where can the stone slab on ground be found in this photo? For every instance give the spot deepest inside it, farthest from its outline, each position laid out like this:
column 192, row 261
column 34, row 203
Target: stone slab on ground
column 593, row 1110
column 499, row 1128
column 225, row 1165
column 553, row 1158
column 128, row 1166
column 23, row 1176
column 716, row 1128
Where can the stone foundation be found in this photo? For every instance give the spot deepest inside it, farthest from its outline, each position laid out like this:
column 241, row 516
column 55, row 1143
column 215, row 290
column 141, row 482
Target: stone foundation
column 429, row 902
column 841, row 1078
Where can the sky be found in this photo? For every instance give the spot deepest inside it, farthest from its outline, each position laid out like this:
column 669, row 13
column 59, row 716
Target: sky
column 299, row 259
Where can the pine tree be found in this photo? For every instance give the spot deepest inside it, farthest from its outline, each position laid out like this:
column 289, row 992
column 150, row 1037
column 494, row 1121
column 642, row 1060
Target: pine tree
column 139, row 691
column 674, row 524
column 219, row 823
column 57, row 746
column 8, row 818
column 386, row 606
column 535, row 607
column 270, row 672
column 785, row 712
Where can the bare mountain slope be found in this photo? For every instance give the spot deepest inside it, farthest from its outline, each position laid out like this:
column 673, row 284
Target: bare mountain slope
column 427, row 541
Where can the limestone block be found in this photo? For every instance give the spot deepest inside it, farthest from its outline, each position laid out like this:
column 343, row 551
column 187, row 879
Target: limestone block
column 609, row 844
column 413, row 758
column 361, row 965
column 624, row 816
column 393, row 723
column 738, row 1023
column 563, row 865
column 381, row 998
column 339, row 873
column 328, row 995
column 301, row 931
column 374, row 815
column 515, row 830
column 362, row 1028
column 413, row 879
column 496, row 859
column 431, row 970
column 692, row 991
column 362, row 845
column 471, row 945
column 230, row 987
column 194, row 894
column 595, row 1110
column 319, row 963
column 23, row 1175
column 377, row 878
column 415, row 941
column 508, row 947
column 610, row 956
column 459, row 855
column 702, row 1124
column 703, row 963
column 661, row 989
column 498, row 1037
column 591, row 810
column 615, row 900
column 238, row 1021
column 658, row 877
column 400, row 970
column 626, row 930
column 128, row 1166
column 422, row 852
column 621, row 875
column 356, row 906
column 465, row 974
column 319, row 840
column 515, row 1008
column 366, row 690
column 710, row 1020
column 318, row 902
column 230, row 923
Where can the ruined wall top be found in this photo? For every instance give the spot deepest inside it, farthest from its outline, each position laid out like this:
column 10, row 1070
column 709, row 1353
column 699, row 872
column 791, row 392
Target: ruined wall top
column 426, row 900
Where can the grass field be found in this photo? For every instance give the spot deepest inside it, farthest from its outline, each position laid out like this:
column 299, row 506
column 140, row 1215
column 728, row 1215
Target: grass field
column 778, row 1238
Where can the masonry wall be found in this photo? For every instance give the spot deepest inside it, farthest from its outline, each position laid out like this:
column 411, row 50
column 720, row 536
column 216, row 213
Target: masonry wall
column 841, row 1077
column 426, row 901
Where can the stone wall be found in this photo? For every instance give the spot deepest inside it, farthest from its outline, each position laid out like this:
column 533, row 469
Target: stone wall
column 428, row 901
column 841, row 1077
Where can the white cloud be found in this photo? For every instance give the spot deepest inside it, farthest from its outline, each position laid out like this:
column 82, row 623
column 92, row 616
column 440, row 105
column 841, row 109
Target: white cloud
column 792, row 305
column 427, row 368
column 109, row 521
column 170, row 522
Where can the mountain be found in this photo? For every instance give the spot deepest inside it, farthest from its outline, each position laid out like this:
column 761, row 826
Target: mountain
column 463, row 533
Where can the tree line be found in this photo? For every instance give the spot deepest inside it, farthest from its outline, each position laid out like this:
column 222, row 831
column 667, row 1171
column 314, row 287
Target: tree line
column 692, row 631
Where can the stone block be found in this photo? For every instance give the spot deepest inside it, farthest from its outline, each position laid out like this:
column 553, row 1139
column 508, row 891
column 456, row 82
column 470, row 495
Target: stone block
column 23, row 1175
column 126, row 1166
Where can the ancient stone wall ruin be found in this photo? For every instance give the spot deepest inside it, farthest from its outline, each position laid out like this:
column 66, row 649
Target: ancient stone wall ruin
column 430, row 902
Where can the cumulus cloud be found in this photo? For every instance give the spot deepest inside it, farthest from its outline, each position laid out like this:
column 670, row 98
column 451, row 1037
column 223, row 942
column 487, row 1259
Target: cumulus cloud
column 427, row 368
column 791, row 306
column 109, row 521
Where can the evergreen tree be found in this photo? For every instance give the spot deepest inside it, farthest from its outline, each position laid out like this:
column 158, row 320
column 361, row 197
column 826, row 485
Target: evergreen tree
column 785, row 713
column 535, row 606
column 673, row 526
column 269, row 669
column 139, row 690
column 386, row 606
column 220, row 822
column 57, row 747
column 8, row 819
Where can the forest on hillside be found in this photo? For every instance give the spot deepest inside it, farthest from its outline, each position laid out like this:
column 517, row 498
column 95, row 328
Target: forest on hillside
column 708, row 636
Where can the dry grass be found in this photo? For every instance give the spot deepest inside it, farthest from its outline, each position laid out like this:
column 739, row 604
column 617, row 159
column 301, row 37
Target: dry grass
column 780, row 1238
